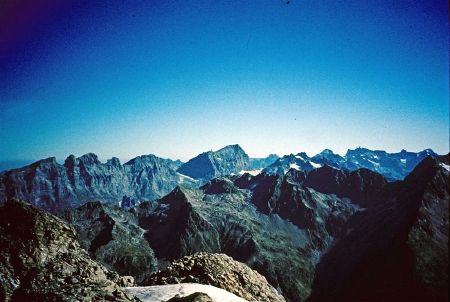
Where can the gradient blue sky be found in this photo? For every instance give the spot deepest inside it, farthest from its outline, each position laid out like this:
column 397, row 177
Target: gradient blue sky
column 175, row 78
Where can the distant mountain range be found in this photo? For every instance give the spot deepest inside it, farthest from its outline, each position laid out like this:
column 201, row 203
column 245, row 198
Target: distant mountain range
column 54, row 186
column 393, row 166
column 316, row 228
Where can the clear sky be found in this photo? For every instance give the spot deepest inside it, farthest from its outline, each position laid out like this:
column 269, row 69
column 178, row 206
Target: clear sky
column 175, row 78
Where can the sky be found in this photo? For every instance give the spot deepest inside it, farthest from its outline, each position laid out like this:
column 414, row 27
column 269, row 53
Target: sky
column 176, row 77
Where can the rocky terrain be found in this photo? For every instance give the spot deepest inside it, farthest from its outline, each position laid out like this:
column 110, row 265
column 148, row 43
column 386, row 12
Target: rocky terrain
column 41, row 260
column 218, row 270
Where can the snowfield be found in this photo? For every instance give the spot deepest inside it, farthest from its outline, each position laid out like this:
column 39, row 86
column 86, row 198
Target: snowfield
column 159, row 293
column 251, row 172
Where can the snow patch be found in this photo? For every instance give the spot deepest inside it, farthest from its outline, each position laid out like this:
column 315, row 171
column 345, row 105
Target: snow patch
column 446, row 167
column 299, row 157
column 315, row 166
column 251, row 172
column 160, row 293
column 403, row 161
column 294, row 166
column 183, row 177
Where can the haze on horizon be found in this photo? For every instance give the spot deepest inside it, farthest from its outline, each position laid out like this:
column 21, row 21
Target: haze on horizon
column 175, row 79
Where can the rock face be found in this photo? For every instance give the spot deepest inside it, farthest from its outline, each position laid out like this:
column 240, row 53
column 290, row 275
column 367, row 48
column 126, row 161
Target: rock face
column 113, row 238
column 396, row 251
column 53, row 187
column 228, row 160
column 221, row 271
column 41, row 260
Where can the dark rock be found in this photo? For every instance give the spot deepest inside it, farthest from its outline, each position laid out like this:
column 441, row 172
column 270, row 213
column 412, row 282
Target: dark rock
column 195, row 297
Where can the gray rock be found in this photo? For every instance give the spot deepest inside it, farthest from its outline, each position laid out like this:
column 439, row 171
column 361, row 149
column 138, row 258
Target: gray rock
column 228, row 160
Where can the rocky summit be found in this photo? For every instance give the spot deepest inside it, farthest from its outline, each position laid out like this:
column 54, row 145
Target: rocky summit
column 221, row 271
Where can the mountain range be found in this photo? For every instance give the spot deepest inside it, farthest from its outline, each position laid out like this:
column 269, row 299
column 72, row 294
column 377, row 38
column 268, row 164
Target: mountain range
column 53, row 186
column 315, row 228
column 319, row 235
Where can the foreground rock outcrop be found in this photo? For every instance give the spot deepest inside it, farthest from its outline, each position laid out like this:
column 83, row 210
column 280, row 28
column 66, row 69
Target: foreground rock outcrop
column 41, row 260
column 221, row 271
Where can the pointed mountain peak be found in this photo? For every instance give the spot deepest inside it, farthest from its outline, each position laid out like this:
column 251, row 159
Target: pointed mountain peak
column 231, row 148
column 302, row 156
column 179, row 194
column 138, row 160
column 71, row 161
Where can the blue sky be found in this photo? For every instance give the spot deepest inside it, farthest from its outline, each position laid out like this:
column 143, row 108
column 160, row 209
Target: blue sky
column 175, row 78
